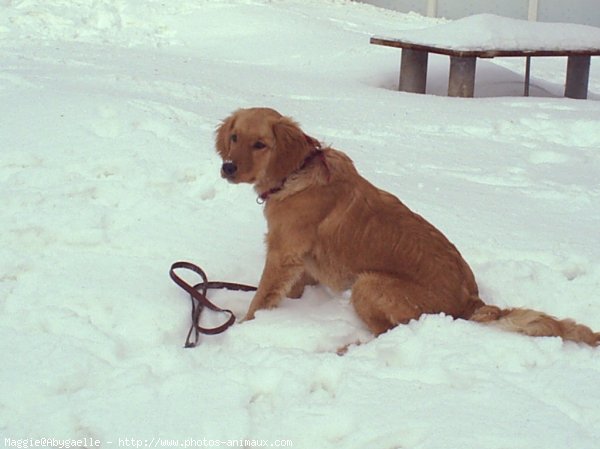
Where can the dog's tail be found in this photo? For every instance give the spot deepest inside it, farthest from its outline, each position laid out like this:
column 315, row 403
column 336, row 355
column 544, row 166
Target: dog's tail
column 536, row 324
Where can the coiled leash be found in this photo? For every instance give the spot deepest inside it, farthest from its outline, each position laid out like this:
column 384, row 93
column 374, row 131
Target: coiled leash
column 200, row 300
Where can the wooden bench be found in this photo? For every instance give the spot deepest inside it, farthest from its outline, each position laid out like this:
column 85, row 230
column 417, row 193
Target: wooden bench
column 463, row 50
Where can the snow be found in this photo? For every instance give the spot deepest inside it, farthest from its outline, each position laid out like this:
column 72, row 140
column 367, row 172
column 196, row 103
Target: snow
column 481, row 32
column 108, row 174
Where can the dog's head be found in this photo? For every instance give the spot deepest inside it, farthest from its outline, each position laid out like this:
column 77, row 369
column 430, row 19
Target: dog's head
column 260, row 146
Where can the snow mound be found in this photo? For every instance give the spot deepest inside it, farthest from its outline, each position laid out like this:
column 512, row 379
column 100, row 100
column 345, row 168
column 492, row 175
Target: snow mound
column 493, row 32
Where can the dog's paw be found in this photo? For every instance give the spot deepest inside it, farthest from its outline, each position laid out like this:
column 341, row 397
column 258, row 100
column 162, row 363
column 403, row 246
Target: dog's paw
column 342, row 350
column 249, row 317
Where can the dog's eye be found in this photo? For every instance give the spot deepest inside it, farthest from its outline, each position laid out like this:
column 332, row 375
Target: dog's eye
column 234, row 138
column 259, row 145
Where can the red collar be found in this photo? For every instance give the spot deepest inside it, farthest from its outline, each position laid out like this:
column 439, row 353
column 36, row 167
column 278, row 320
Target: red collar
column 317, row 152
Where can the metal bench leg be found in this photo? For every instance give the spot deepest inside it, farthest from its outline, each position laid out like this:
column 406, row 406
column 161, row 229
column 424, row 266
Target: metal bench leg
column 578, row 74
column 462, row 76
column 413, row 71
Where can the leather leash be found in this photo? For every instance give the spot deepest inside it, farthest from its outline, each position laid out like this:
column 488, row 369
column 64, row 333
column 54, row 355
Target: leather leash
column 200, row 300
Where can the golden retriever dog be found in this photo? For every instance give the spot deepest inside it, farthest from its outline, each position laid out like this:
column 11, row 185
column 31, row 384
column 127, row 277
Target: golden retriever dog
column 327, row 224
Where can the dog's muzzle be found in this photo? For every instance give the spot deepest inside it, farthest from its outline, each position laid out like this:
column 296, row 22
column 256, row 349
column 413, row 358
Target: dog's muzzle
column 228, row 169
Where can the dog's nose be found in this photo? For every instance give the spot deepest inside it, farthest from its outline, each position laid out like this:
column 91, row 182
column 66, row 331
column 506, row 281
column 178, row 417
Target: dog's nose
column 229, row 168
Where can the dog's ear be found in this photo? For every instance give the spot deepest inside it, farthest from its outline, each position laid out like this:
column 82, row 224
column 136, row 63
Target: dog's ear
column 223, row 136
column 291, row 148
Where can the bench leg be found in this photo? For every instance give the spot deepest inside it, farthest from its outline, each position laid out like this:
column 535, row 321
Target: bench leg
column 461, row 82
column 527, row 75
column 413, row 71
column 578, row 74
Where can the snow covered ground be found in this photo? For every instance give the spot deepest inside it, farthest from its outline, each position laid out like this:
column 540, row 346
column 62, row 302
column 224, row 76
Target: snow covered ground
column 108, row 175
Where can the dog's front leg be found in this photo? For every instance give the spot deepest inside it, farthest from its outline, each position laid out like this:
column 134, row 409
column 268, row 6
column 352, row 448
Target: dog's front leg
column 279, row 274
